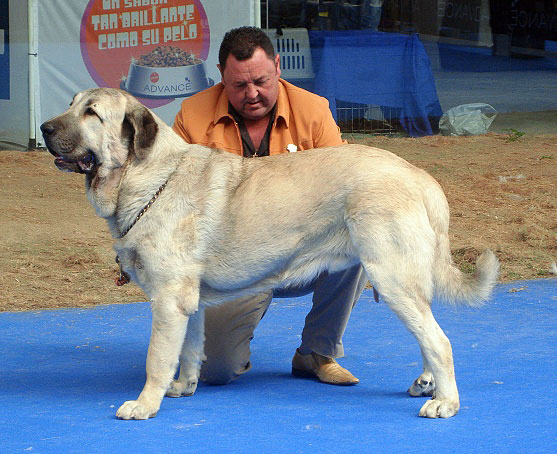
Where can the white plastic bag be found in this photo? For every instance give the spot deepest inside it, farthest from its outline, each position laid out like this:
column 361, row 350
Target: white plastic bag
column 467, row 120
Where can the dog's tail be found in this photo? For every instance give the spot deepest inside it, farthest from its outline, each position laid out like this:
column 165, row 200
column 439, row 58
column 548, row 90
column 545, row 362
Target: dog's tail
column 451, row 284
column 454, row 286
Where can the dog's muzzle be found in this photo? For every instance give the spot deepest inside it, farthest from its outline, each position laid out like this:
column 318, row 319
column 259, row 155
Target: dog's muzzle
column 85, row 164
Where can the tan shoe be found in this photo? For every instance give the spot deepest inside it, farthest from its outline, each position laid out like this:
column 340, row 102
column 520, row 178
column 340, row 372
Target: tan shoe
column 321, row 367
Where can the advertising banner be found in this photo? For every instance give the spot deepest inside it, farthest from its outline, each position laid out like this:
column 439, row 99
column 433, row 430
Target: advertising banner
column 159, row 50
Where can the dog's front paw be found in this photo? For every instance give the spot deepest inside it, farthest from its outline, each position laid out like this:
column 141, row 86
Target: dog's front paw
column 134, row 409
column 423, row 386
column 182, row 389
column 435, row 408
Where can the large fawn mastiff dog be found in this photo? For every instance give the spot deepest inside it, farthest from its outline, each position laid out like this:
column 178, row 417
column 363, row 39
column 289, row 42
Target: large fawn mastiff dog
column 196, row 227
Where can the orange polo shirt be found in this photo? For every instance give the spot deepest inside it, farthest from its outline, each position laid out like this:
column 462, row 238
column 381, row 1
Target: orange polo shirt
column 302, row 119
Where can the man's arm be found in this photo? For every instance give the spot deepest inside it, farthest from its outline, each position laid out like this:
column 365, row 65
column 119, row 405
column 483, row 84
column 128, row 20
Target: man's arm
column 328, row 133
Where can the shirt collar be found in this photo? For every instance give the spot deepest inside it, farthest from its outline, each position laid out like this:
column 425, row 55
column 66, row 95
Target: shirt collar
column 221, row 111
column 282, row 111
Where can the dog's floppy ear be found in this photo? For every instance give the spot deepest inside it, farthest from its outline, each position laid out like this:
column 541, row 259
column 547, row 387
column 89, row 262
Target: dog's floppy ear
column 141, row 129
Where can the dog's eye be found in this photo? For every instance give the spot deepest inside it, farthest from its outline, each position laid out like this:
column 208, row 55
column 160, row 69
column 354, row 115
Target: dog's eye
column 89, row 111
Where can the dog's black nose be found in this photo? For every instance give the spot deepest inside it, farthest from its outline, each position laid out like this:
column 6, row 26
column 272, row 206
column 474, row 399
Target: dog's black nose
column 47, row 129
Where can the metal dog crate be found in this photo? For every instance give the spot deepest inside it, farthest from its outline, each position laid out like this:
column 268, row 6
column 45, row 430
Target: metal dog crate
column 367, row 119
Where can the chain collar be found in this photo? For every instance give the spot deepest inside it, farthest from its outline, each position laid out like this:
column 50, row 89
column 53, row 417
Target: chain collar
column 124, row 277
column 144, row 210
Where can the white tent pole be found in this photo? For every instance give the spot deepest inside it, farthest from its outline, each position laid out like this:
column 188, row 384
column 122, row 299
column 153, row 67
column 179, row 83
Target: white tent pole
column 257, row 13
column 32, row 28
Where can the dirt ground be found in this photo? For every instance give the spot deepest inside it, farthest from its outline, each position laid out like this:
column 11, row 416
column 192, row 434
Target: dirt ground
column 55, row 252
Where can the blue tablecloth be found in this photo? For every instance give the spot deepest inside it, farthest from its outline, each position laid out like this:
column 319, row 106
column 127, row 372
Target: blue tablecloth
column 383, row 69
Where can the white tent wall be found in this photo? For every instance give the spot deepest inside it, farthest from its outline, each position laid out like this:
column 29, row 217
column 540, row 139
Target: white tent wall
column 14, row 105
column 76, row 49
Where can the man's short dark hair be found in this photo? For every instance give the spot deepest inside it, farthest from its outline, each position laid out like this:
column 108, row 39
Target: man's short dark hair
column 242, row 42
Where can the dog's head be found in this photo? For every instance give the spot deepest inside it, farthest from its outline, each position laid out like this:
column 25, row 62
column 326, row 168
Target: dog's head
column 100, row 128
column 96, row 136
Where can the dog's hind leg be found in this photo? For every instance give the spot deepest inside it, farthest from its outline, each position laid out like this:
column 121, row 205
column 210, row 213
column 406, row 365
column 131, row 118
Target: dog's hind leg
column 407, row 292
column 424, row 385
column 190, row 358
column 438, row 356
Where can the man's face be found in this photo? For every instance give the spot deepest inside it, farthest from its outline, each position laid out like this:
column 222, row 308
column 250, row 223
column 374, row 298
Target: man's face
column 252, row 85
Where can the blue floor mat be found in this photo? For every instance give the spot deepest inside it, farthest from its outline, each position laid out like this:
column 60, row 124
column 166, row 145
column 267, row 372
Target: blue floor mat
column 64, row 373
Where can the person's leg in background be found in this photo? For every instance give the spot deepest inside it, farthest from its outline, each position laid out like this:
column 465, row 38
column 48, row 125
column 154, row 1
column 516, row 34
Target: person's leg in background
column 229, row 330
column 334, row 296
